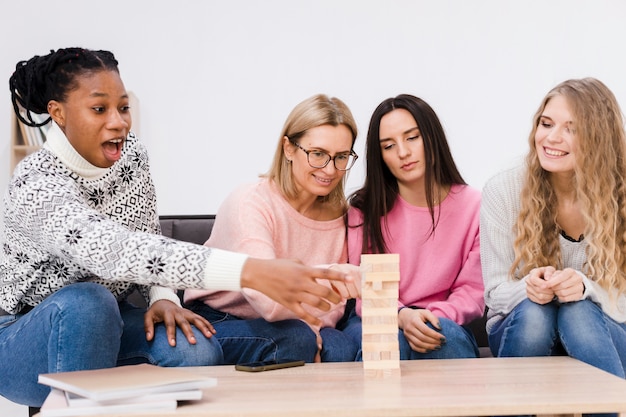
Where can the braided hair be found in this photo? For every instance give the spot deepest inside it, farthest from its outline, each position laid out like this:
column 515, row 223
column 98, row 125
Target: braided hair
column 50, row 77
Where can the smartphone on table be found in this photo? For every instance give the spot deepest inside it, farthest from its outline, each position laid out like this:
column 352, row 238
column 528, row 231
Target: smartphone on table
column 268, row 365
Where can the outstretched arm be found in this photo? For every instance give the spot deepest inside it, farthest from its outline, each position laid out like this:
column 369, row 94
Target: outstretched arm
column 287, row 282
column 293, row 284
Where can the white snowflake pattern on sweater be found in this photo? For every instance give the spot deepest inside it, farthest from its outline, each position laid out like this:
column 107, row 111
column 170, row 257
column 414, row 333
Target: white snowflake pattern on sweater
column 61, row 228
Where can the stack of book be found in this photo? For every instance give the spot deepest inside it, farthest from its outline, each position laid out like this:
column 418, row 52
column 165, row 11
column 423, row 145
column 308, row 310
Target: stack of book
column 133, row 388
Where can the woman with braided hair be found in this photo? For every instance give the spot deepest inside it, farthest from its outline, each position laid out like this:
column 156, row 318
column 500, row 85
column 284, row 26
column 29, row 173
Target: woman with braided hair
column 81, row 232
column 553, row 234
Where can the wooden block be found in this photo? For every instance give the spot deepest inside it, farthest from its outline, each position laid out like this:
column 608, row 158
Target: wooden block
column 378, row 349
column 380, row 338
column 382, row 276
column 384, row 314
column 380, row 261
column 384, row 311
column 381, row 329
column 379, row 302
column 379, row 311
column 384, row 293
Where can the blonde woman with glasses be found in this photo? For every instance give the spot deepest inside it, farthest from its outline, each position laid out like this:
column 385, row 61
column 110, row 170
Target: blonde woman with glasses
column 295, row 211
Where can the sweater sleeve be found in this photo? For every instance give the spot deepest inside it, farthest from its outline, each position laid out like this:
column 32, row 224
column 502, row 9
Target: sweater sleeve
column 499, row 209
column 465, row 302
column 616, row 309
column 59, row 230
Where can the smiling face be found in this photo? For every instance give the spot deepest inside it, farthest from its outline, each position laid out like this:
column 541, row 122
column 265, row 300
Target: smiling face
column 402, row 148
column 313, row 182
column 555, row 137
column 95, row 117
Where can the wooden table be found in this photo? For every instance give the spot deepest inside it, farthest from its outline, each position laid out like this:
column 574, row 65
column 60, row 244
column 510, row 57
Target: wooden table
column 455, row 387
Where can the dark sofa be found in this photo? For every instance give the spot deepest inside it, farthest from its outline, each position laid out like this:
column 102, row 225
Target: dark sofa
column 197, row 228
column 194, row 228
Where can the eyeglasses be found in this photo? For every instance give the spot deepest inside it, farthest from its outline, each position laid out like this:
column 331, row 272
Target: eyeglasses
column 319, row 159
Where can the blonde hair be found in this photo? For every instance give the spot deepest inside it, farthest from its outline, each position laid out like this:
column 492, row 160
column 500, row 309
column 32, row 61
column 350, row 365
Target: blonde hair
column 315, row 111
column 599, row 182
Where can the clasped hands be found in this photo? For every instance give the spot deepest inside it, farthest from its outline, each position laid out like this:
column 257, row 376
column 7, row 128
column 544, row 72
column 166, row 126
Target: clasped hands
column 545, row 284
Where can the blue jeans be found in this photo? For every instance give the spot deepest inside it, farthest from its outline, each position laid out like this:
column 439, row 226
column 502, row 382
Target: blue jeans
column 460, row 342
column 579, row 329
column 79, row 327
column 253, row 340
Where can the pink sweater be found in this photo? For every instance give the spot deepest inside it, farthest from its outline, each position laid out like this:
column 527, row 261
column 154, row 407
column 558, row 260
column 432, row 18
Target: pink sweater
column 442, row 272
column 258, row 221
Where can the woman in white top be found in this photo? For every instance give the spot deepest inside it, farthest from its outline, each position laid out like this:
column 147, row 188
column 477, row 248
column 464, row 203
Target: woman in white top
column 553, row 234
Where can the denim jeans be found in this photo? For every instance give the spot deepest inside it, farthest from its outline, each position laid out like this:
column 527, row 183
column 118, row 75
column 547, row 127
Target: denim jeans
column 79, row 327
column 460, row 342
column 580, row 329
column 253, row 340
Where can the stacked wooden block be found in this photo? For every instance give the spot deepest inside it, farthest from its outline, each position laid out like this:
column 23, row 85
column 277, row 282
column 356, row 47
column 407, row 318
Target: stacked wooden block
column 379, row 312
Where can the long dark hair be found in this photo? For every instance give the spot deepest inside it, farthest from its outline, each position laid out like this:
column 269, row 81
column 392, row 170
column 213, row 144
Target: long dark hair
column 50, row 77
column 380, row 191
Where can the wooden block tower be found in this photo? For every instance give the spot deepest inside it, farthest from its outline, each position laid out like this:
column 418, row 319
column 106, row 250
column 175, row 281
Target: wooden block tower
column 381, row 275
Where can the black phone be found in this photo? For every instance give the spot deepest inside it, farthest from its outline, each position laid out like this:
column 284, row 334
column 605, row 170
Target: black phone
column 268, row 365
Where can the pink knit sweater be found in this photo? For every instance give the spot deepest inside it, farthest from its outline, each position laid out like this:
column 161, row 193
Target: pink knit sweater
column 258, row 221
column 442, row 272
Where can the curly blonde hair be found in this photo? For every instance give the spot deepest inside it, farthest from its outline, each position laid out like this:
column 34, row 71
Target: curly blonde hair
column 599, row 182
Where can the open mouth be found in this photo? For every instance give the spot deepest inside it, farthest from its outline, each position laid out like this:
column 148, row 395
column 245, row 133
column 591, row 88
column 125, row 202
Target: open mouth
column 113, row 148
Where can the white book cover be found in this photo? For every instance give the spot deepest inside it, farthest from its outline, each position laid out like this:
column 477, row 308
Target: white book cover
column 126, row 381
column 74, row 400
column 56, row 405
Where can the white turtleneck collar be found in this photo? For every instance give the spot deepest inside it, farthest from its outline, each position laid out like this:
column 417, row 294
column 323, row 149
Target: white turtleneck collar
column 60, row 146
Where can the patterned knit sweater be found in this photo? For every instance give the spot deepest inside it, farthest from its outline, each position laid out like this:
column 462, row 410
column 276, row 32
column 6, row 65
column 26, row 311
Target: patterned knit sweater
column 67, row 221
column 498, row 214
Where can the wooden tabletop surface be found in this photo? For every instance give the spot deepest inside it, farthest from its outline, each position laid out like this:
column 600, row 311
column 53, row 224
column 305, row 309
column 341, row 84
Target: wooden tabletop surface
column 454, row 387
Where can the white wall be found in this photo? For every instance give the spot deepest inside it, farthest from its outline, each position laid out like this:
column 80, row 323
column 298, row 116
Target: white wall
column 216, row 79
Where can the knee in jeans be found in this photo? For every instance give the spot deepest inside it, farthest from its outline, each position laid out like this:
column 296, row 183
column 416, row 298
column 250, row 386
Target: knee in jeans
column 585, row 315
column 337, row 346
column 87, row 296
column 296, row 330
column 530, row 330
column 91, row 305
column 297, row 338
column 533, row 318
column 206, row 352
column 579, row 312
column 455, row 332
